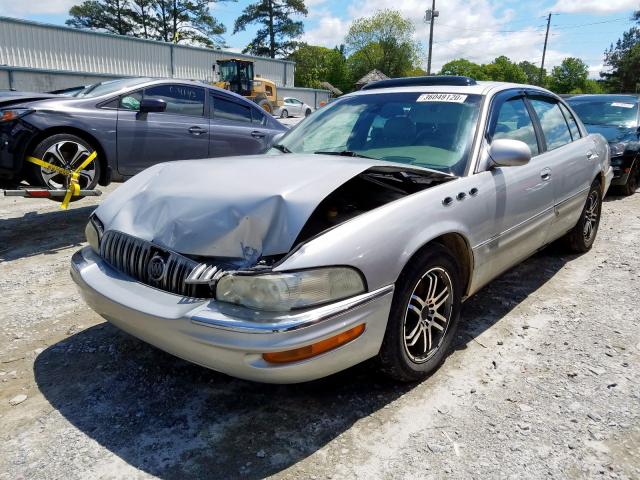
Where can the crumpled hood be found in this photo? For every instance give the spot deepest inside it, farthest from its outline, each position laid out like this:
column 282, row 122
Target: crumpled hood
column 235, row 207
column 614, row 134
column 9, row 97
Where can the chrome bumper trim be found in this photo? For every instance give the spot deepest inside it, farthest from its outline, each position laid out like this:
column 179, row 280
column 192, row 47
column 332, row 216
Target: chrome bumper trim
column 290, row 322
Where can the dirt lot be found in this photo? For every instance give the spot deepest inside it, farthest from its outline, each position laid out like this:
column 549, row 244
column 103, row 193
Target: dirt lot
column 544, row 381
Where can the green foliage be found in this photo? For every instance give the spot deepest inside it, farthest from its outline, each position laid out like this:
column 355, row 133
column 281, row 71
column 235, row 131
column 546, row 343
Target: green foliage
column 319, row 64
column 623, row 60
column 383, row 41
column 504, row 70
column 465, row 68
column 278, row 33
column 113, row 16
column 570, row 76
column 532, row 71
column 179, row 21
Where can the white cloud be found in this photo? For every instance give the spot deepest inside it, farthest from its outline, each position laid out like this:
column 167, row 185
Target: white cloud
column 35, row 7
column 330, row 32
column 594, row 6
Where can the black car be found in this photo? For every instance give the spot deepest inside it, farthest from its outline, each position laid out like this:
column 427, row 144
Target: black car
column 617, row 118
column 130, row 123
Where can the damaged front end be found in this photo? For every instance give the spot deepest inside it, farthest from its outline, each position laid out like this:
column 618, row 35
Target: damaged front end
column 224, row 245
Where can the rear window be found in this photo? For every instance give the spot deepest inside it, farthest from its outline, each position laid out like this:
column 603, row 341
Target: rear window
column 224, row 109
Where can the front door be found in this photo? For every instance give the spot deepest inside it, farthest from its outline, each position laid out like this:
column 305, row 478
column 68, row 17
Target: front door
column 181, row 132
column 524, row 194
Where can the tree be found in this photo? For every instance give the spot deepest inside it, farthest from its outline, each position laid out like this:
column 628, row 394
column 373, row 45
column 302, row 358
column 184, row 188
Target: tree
column 113, row 16
column 624, row 75
column 277, row 37
column 178, row 21
column 504, row 70
column 465, row 68
column 532, row 71
column 384, row 41
column 319, row 64
column 569, row 77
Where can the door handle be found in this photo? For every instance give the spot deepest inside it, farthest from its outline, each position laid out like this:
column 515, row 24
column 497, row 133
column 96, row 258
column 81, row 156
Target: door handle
column 545, row 174
column 257, row 134
column 197, row 131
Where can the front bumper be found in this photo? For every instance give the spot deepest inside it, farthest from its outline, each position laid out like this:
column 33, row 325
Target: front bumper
column 208, row 333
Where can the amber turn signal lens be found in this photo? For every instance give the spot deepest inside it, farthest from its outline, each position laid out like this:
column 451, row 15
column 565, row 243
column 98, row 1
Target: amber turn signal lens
column 315, row 349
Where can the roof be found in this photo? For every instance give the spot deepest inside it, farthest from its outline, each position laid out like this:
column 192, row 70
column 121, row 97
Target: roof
column 373, row 76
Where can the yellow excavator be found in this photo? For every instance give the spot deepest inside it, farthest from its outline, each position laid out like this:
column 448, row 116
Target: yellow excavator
column 238, row 76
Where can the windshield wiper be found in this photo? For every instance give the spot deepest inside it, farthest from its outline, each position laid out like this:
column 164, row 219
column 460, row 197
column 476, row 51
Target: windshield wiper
column 344, row 153
column 281, row 147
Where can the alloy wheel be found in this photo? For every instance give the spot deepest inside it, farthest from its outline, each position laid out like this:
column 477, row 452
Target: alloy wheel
column 70, row 155
column 591, row 217
column 428, row 315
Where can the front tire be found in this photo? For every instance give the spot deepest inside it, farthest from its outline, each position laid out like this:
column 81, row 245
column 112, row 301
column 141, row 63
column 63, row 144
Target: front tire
column 424, row 316
column 631, row 186
column 580, row 239
column 67, row 151
column 307, row 112
column 284, row 114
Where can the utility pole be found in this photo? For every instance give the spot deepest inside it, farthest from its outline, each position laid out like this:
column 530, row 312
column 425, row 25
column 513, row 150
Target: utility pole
column 430, row 16
column 544, row 50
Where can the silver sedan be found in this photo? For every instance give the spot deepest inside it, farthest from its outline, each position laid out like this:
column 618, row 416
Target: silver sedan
column 359, row 235
column 292, row 107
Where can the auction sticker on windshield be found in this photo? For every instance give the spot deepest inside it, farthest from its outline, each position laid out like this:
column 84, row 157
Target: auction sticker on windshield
column 442, row 97
column 622, row 105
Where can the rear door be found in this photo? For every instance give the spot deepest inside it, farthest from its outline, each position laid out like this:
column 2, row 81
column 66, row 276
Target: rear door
column 180, row 132
column 570, row 157
column 236, row 127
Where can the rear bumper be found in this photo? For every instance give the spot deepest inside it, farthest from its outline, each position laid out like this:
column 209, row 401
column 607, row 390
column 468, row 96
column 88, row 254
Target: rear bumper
column 199, row 331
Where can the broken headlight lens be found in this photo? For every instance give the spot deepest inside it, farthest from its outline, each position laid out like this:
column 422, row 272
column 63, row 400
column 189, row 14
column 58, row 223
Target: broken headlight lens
column 280, row 292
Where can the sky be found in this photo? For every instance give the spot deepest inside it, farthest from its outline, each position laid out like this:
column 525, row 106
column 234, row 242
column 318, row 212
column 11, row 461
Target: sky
column 478, row 30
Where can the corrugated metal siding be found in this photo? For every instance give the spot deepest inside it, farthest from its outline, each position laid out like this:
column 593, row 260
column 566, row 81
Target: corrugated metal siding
column 35, row 45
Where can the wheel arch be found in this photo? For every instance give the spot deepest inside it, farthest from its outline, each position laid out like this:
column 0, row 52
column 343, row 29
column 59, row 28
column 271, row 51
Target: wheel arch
column 92, row 140
column 461, row 250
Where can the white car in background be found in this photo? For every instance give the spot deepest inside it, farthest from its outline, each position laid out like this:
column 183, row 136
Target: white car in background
column 292, row 107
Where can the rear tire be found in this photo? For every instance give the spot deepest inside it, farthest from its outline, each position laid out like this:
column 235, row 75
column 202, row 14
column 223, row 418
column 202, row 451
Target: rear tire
column 424, row 316
column 580, row 239
column 631, row 186
column 67, row 151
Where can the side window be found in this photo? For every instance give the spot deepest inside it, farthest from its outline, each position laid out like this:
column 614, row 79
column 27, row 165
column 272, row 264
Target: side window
column 180, row 99
column 515, row 123
column 552, row 121
column 573, row 126
column 130, row 101
column 258, row 116
column 225, row 109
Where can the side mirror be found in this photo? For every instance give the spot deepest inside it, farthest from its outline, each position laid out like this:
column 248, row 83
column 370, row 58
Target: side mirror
column 509, row 153
column 152, row 105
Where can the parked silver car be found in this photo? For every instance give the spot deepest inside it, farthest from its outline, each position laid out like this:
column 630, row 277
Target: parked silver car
column 359, row 236
column 292, row 107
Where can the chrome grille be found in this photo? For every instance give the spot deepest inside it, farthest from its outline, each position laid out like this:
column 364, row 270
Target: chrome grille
column 132, row 256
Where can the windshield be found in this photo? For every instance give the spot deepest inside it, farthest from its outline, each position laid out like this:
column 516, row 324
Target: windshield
column 105, row 88
column 431, row 130
column 617, row 112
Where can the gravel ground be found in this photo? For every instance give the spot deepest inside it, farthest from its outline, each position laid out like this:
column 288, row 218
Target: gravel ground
column 543, row 382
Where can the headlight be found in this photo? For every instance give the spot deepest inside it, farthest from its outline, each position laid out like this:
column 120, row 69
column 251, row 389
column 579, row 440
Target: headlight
column 290, row 290
column 10, row 114
column 617, row 149
column 93, row 233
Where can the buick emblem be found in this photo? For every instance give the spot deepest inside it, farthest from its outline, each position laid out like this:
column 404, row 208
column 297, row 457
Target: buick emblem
column 156, row 268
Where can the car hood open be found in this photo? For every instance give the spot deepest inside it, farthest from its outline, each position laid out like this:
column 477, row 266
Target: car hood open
column 235, row 207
